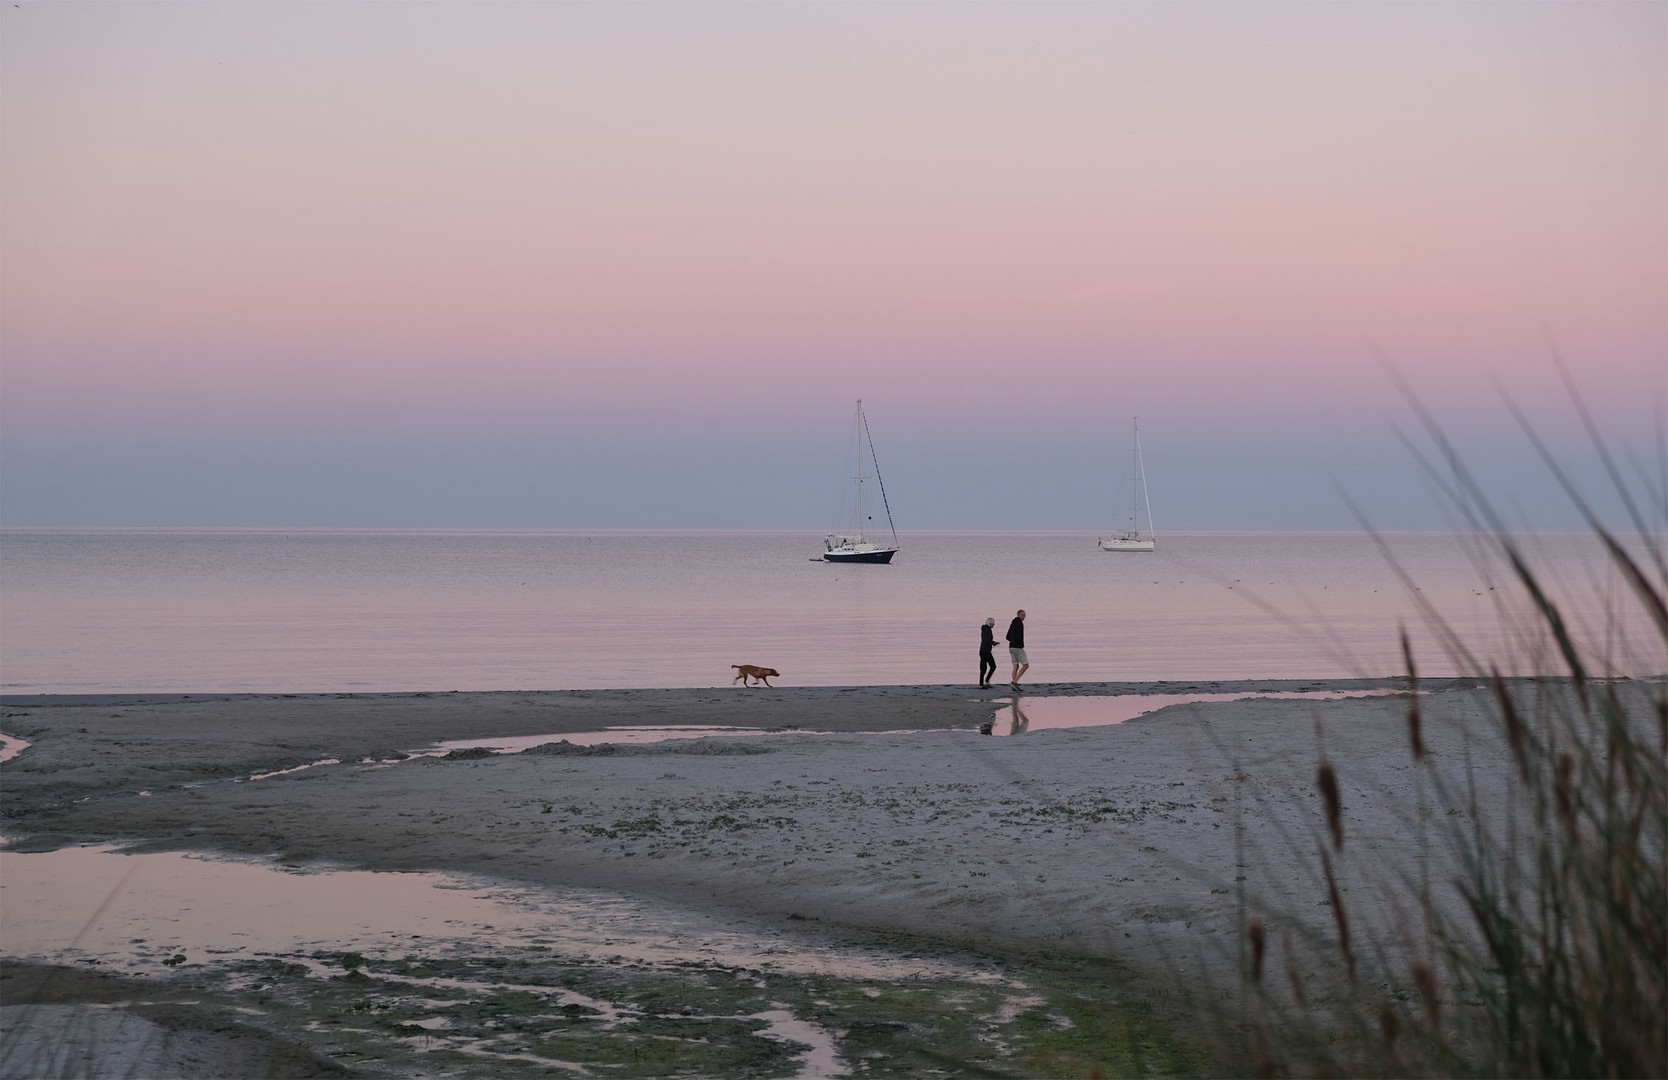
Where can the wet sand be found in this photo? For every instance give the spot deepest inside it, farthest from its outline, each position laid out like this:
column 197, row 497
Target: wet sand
column 897, row 815
column 881, row 809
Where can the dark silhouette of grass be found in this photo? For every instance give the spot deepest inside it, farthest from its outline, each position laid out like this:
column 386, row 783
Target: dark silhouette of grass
column 1541, row 950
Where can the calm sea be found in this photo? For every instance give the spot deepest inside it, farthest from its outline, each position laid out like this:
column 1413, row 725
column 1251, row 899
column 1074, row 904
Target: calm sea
column 84, row 611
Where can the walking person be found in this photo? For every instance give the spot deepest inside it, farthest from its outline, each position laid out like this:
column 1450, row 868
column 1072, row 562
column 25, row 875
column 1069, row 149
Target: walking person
column 1016, row 647
column 987, row 653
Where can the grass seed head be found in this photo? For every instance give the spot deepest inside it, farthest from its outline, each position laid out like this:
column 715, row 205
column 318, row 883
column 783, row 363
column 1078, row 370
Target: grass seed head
column 1413, row 716
column 1327, row 780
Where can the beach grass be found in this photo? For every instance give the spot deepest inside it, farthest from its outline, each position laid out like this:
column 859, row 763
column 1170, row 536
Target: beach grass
column 1528, row 936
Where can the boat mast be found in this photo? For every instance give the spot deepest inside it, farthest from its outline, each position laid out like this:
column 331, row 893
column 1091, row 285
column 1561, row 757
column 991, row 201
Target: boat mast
column 1135, row 483
column 859, row 438
column 1141, row 467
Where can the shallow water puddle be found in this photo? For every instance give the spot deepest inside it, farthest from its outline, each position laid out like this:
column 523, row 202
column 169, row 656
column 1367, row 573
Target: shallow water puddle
column 296, row 769
column 516, row 744
column 11, row 746
column 1021, row 714
column 140, row 909
column 245, row 926
column 822, row 1060
column 137, row 911
column 1013, row 717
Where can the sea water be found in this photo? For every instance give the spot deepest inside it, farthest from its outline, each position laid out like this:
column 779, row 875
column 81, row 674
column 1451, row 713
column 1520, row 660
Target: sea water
column 118, row 611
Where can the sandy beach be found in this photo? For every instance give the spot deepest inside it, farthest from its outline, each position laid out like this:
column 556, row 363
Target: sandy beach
column 877, row 810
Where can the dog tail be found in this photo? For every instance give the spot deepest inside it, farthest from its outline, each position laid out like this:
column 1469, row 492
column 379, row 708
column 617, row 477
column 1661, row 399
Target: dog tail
column 736, row 666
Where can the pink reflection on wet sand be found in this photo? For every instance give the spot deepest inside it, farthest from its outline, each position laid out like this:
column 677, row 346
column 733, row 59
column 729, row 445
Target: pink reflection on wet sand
column 11, row 746
column 99, row 902
column 517, row 743
column 1022, row 714
column 132, row 912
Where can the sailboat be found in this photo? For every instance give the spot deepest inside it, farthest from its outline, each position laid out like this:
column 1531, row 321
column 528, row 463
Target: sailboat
column 1133, row 539
column 855, row 547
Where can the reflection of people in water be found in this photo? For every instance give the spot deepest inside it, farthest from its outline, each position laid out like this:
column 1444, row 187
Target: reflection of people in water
column 1021, row 721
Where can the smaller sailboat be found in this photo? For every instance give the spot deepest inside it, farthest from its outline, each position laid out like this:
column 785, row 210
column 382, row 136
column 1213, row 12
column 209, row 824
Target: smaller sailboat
column 1132, row 538
column 855, row 546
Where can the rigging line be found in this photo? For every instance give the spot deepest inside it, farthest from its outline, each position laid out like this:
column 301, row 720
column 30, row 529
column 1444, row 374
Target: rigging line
column 1141, row 463
column 876, row 458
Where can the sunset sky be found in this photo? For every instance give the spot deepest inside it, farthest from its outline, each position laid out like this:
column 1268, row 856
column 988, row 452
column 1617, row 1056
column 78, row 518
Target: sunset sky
column 532, row 265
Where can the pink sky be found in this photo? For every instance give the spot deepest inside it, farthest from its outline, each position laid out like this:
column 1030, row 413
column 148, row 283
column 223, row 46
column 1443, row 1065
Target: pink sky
column 314, row 221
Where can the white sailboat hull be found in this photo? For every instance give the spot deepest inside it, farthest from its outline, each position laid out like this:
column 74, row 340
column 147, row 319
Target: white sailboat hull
column 1131, row 539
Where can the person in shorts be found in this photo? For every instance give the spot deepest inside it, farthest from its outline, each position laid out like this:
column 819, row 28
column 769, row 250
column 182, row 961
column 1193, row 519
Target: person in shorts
column 1016, row 648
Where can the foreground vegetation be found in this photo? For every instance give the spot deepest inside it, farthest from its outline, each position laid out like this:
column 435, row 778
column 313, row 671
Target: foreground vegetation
column 1539, row 945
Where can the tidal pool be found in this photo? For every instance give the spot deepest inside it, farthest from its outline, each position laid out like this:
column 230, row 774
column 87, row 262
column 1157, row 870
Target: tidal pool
column 428, row 974
column 624, row 734
column 135, row 911
column 11, row 746
column 229, row 921
column 1014, row 716
column 1022, row 713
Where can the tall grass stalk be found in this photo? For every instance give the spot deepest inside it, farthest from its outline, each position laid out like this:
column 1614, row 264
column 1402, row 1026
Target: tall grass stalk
column 1540, row 946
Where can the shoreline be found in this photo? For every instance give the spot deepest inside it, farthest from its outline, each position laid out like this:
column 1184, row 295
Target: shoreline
column 1071, row 688
column 179, row 738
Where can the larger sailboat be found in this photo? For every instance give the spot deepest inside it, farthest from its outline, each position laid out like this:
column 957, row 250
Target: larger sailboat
column 855, row 546
column 1132, row 538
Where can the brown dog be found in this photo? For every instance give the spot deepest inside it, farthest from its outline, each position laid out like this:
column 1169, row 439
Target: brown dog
column 760, row 673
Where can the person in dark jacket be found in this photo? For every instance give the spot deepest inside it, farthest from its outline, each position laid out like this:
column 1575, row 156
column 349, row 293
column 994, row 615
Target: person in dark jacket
column 987, row 653
column 1016, row 647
